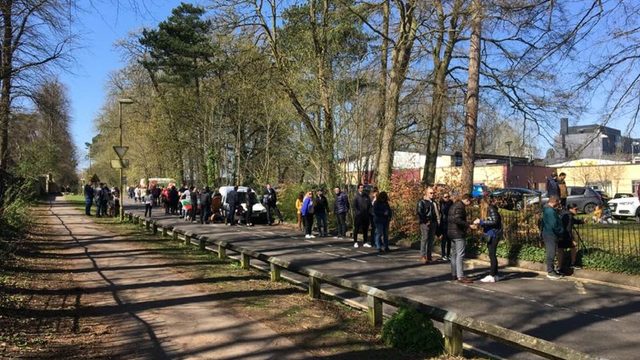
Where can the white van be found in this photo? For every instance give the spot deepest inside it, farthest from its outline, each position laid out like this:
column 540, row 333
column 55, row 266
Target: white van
column 259, row 211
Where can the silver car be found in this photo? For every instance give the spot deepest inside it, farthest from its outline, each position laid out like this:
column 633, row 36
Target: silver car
column 584, row 197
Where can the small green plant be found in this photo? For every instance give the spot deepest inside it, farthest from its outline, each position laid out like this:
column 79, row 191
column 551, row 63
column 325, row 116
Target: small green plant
column 413, row 331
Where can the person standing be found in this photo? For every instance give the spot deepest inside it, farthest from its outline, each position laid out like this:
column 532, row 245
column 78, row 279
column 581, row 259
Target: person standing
column 205, row 205
column 552, row 185
column 340, row 209
column 321, row 207
column 457, row 227
column 195, row 196
column 428, row 220
column 104, row 195
column 137, row 193
column 382, row 214
column 299, row 201
column 551, row 233
column 491, row 222
column 251, row 200
column 361, row 211
column 373, row 196
column 232, row 204
column 174, row 197
column 568, row 241
column 148, row 203
column 307, row 211
column 445, row 241
column 89, row 193
column 271, row 203
column 563, row 192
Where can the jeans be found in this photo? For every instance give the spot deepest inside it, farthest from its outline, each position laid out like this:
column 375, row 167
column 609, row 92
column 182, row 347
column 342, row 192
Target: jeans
column 87, row 206
column 308, row 224
column 205, row 214
column 445, row 245
column 373, row 229
column 361, row 224
column 147, row 210
column 457, row 257
column 321, row 221
column 550, row 246
column 341, row 220
column 492, row 245
column 382, row 235
column 428, row 232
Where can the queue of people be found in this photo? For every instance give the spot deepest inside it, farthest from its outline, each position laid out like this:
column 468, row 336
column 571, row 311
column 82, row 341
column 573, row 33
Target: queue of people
column 106, row 200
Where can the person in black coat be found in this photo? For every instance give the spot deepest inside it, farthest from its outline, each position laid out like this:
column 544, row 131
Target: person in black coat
column 321, row 207
column 232, row 204
column 491, row 222
column 174, row 197
column 251, row 200
column 428, row 216
column 457, row 226
column 445, row 241
column 567, row 240
column 270, row 201
column 361, row 212
column 89, row 193
column 205, row 205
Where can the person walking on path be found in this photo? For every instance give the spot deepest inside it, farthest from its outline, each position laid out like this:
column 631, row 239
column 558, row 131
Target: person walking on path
column 382, row 214
column 307, row 212
column 89, row 193
column 491, row 222
column 552, row 185
column 563, row 192
column 457, row 227
column 361, row 211
column 373, row 196
column 445, row 241
column 148, row 204
column 340, row 209
column 205, row 205
column 321, row 208
column 567, row 217
column 427, row 212
column 271, row 203
column 551, row 233
column 299, row 201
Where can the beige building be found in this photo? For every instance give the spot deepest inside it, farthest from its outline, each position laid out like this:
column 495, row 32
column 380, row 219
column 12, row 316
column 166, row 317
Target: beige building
column 610, row 176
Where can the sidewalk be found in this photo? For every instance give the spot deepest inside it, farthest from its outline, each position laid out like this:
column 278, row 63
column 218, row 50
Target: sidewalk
column 152, row 310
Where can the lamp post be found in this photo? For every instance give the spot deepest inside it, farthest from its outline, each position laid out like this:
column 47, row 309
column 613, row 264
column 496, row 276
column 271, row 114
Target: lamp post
column 633, row 146
column 120, row 103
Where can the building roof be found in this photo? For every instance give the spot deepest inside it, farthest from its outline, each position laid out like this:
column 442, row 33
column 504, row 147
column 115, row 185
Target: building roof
column 588, row 162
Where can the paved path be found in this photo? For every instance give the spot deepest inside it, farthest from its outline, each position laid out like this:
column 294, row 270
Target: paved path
column 156, row 312
column 591, row 317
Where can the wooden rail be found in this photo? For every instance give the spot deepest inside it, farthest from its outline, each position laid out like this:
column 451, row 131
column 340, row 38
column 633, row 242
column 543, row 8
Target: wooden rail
column 453, row 324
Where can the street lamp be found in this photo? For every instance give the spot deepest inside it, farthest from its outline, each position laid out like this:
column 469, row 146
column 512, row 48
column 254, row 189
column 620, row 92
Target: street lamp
column 120, row 103
column 508, row 143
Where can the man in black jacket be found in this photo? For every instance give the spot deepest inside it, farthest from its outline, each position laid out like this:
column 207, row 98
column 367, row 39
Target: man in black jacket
column 321, row 207
column 457, row 230
column 205, row 205
column 445, row 241
column 270, row 201
column 361, row 211
column 567, row 241
column 232, row 204
column 428, row 218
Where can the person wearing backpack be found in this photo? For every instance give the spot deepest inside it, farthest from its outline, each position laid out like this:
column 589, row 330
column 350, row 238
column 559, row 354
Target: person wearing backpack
column 307, row 212
column 428, row 217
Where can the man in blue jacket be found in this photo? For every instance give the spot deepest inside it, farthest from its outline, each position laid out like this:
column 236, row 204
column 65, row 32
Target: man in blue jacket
column 88, row 199
column 340, row 208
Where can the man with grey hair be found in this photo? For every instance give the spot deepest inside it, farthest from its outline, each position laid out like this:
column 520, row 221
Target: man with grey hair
column 428, row 218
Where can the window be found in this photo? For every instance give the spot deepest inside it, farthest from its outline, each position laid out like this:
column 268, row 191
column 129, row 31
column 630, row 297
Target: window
column 577, row 191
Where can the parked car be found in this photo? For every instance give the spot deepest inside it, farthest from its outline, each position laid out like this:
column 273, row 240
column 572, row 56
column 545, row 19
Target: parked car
column 513, row 198
column 585, row 197
column 625, row 207
column 605, row 197
column 259, row 211
column 623, row 195
column 479, row 190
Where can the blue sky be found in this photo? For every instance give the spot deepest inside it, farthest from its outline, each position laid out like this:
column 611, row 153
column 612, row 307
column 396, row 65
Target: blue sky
column 100, row 26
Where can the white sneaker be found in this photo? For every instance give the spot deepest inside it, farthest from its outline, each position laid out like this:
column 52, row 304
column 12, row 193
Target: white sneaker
column 312, row 236
column 488, row 279
column 355, row 245
column 367, row 245
column 306, row 237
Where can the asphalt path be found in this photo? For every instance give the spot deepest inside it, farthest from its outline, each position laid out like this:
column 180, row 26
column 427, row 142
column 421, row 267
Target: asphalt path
column 592, row 317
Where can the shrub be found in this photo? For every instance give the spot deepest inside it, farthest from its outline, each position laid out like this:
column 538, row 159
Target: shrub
column 413, row 331
column 403, row 197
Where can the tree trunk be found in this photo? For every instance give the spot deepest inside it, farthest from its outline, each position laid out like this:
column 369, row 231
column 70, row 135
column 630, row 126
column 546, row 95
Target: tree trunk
column 471, row 120
column 5, row 76
column 384, row 68
column 400, row 65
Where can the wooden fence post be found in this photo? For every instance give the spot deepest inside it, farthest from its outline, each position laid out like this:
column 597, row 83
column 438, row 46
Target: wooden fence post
column 245, row 261
column 187, row 239
column 374, row 310
column 130, row 217
column 154, row 228
column 175, row 235
column 222, row 252
column 452, row 338
column 275, row 272
column 147, row 225
column 164, row 231
column 202, row 244
column 314, row 287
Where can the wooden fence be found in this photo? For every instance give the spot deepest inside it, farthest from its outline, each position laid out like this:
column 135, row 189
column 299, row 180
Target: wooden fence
column 453, row 324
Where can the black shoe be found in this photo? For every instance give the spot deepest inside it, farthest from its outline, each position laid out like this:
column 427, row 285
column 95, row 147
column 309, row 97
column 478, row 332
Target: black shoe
column 387, row 249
